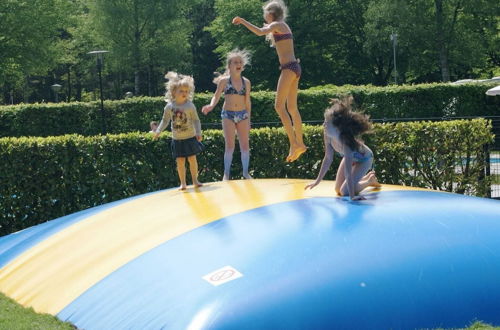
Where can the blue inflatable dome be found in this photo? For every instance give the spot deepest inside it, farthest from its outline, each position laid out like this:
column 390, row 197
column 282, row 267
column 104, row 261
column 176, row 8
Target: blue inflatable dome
column 263, row 254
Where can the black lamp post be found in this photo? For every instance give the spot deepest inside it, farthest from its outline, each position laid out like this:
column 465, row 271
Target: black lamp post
column 100, row 61
column 56, row 88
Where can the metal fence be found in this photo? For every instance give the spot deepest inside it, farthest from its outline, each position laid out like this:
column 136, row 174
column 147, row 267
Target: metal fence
column 493, row 163
column 492, row 160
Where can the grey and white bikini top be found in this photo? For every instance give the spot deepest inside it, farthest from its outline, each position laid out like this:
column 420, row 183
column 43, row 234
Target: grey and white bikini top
column 229, row 89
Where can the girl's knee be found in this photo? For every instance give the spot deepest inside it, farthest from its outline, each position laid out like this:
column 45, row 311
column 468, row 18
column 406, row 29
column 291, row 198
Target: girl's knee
column 229, row 149
column 294, row 112
column 341, row 189
column 279, row 107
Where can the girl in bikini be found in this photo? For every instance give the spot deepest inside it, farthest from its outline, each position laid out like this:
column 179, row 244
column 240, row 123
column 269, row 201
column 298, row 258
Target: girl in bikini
column 235, row 110
column 342, row 127
column 280, row 35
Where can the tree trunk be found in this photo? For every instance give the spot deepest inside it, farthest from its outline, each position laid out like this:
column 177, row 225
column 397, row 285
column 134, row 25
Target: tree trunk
column 68, row 98
column 150, row 84
column 26, row 93
column 441, row 41
column 137, row 55
column 78, row 86
column 137, row 90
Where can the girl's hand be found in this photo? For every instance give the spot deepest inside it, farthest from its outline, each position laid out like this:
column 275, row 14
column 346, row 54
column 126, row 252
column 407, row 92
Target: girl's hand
column 206, row 109
column 237, row 20
column 155, row 136
column 311, row 185
column 199, row 138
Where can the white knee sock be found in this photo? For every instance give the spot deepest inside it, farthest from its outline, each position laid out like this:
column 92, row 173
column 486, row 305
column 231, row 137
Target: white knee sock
column 228, row 159
column 245, row 160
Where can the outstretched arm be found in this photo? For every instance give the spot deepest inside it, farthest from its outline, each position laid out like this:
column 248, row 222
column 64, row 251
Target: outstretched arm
column 254, row 29
column 215, row 99
column 164, row 122
column 325, row 164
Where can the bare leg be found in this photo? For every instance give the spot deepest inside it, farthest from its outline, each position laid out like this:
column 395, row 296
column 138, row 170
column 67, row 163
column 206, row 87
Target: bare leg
column 340, row 178
column 193, row 168
column 358, row 172
column 181, row 170
column 293, row 110
column 243, row 129
column 284, row 84
column 228, row 127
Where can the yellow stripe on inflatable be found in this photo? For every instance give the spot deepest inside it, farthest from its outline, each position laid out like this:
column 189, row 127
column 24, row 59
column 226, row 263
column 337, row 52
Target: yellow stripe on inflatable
column 89, row 250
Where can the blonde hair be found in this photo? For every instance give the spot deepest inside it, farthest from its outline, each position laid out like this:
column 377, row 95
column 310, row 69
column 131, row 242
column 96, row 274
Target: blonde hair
column 241, row 53
column 277, row 8
column 279, row 11
column 176, row 80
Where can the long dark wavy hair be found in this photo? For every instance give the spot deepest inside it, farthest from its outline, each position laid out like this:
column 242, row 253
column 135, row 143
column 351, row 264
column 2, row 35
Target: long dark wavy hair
column 350, row 124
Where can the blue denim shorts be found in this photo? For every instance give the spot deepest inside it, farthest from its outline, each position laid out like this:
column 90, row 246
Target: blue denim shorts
column 235, row 116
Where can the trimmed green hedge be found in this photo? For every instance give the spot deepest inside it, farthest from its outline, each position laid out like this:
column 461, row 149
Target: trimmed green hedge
column 45, row 178
column 130, row 115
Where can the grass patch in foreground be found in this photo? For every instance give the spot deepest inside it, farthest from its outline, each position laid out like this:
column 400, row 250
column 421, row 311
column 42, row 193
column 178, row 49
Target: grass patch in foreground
column 14, row 316
column 481, row 326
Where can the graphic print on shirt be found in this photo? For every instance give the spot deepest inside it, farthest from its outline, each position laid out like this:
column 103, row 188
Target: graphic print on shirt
column 179, row 120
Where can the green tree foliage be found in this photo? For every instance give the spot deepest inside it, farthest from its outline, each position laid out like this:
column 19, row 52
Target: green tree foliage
column 77, row 39
column 43, row 42
column 205, row 60
column 329, row 40
column 437, row 40
column 329, row 45
column 146, row 37
column 28, row 32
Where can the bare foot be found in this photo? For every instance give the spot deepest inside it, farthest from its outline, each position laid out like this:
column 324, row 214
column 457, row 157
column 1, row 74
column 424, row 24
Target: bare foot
column 367, row 175
column 247, row 176
column 290, row 155
column 298, row 152
column 198, row 184
column 372, row 180
column 182, row 187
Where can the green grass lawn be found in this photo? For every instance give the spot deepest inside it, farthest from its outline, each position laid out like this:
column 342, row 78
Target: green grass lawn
column 480, row 326
column 15, row 317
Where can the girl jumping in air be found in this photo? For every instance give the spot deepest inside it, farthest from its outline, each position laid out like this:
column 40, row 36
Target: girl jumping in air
column 342, row 129
column 280, row 35
column 186, row 126
column 235, row 110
